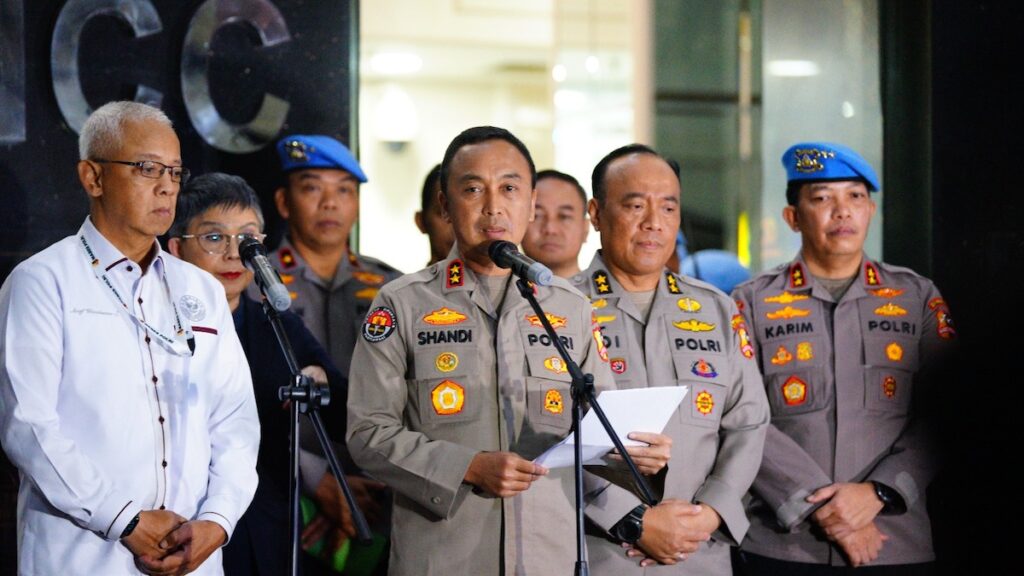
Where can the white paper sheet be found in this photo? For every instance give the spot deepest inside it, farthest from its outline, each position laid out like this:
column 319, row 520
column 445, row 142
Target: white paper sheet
column 634, row 410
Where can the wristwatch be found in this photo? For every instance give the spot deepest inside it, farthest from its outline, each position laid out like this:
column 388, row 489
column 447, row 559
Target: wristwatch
column 892, row 502
column 631, row 527
column 131, row 526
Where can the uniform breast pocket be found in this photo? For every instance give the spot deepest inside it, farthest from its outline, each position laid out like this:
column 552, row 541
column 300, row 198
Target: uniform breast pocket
column 888, row 390
column 549, row 405
column 706, row 403
column 447, row 386
column 796, row 392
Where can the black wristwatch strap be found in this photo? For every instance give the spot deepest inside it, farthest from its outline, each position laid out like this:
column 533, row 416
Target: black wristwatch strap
column 131, row 526
column 892, row 502
column 631, row 527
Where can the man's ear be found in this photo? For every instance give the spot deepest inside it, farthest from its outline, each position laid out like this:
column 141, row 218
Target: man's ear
column 418, row 218
column 281, row 202
column 789, row 214
column 174, row 246
column 90, row 175
column 595, row 214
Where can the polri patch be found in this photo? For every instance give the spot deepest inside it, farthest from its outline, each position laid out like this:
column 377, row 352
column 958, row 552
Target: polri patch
column 703, row 368
column 618, row 365
column 794, row 391
column 380, row 323
column 782, row 356
column 553, row 402
column 448, row 398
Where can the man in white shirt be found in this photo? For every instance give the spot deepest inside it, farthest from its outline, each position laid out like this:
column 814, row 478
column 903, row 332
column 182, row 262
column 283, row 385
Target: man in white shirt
column 125, row 398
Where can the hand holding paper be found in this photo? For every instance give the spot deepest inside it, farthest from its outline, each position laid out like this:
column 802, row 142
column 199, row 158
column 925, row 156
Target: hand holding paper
column 633, row 410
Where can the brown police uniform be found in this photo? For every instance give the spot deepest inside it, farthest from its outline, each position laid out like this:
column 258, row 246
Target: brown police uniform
column 693, row 337
column 333, row 310
column 440, row 375
column 843, row 382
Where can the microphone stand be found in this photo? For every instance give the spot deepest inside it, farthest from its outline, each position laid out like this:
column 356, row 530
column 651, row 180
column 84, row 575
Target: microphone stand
column 583, row 390
column 307, row 397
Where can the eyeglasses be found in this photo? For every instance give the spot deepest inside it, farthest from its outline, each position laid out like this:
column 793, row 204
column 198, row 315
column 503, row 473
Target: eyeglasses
column 153, row 169
column 216, row 243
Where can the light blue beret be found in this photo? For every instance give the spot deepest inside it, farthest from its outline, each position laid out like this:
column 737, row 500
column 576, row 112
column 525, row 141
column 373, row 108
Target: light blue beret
column 816, row 161
column 300, row 151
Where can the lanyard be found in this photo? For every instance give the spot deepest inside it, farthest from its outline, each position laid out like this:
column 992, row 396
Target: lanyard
column 182, row 343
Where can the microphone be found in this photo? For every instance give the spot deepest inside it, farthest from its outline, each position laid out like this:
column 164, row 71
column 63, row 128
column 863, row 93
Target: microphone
column 254, row 256
column 506, row 255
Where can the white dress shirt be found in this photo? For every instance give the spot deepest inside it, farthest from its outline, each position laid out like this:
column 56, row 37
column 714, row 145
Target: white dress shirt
column 106, row 412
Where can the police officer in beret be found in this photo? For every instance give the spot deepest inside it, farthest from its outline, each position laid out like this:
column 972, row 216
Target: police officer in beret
column 456, row 388
column 842, row 341
column 331, row 286
column 662, row 329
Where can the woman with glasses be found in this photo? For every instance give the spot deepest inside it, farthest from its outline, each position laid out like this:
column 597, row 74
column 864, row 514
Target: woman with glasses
column 214, row 213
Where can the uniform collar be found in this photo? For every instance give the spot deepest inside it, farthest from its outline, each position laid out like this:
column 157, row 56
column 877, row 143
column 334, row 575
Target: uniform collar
column 107, row 256
column 291, row 262
column 669, row 286
column 799, row 279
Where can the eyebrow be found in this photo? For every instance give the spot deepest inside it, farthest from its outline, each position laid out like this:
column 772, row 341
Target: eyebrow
column 632, row 195
column 222, row 225
column 156, row 158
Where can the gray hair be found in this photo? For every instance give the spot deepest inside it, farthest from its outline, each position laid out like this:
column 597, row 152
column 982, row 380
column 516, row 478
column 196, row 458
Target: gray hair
column 102, row 132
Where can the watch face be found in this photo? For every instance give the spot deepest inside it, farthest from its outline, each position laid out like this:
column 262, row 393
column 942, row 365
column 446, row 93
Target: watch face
column 630, row 530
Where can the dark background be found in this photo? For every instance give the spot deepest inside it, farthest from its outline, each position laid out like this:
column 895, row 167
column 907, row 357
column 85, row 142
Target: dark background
column 952, row 151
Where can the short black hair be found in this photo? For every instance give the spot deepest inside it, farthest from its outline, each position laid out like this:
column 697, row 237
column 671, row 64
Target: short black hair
column 428, row 197
column 597, row 184
column 555, row 174
column 215, row 189
column 479, row 134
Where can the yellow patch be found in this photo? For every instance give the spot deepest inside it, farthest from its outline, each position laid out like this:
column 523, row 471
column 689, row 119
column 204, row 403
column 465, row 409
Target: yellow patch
column 787, row 312
column 444, row 317
column 785, row 298
column 553, row 402
column 604, row 319
column 794, row 391
column 890, row 309
column 367, row 293
column 556, row 321
column 687, row 304
column 556, row 365
column 804, row 352
column 599, row 303
column 448, row 398
column 705, row 402
column 894, row 352
column 694, row 326
column 889, row 387
column 446, row 361
column 368, row 277
column 287, row 278
column 782, row 357
column 887, row 292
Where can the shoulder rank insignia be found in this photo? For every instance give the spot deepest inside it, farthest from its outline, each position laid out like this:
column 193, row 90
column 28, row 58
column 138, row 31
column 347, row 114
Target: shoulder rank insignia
column 785, row 298
column 448, row 398
column 704, row 402
column 694, row 325
column 804, row 352
column 796, row 276
column 890, row 309
column 444, row 317
column 739, row 326
column 887, row 292
column 553, row 401
column 787, row 313
column 456, row 278
column 601, row 284
column 287, row 258
column 673, row 286
column 368, row 277
column 794, row 391
column 556, row 321
column 871, row 277
column 782, row 357
column 368, row 293
column 687, row 304
column 599, row 303
column 703, row 368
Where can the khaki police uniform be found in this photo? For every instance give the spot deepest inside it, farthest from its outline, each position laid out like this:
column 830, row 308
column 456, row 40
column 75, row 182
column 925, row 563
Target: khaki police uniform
column 334, row 309
column 440, row 375
column 843, row 381
column 693, row 337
